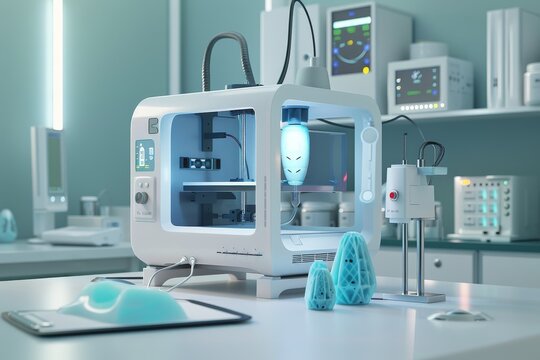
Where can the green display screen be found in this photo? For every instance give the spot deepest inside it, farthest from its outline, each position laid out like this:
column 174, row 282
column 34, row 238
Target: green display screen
column 54, row 162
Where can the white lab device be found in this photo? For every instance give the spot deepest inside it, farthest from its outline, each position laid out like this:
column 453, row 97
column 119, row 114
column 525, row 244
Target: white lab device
column 198, row 192
column 49, row 184
column 361, row 40
column 410, row 196
column 512, row 43
column 496, row 208
column 430, row 84
column 85, row 236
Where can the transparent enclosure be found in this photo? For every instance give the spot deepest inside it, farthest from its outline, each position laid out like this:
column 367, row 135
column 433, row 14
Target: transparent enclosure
column 213, row 169
column 213, row 174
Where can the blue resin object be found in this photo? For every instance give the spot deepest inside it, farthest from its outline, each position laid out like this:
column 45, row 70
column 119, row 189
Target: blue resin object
column 8, row 227
column 320, row 292
column 353, row 273
column 117, row 303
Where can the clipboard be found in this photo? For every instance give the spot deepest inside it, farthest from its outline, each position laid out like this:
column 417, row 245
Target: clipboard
column 53, row 323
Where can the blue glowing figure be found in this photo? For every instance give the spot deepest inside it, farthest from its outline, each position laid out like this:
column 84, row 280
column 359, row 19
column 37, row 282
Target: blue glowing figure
column 353, row 273
column 295, row 145
column 320, row 292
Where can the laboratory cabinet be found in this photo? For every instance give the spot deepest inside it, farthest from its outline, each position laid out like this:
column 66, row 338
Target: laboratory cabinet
column 515, row 269
column 441, row 265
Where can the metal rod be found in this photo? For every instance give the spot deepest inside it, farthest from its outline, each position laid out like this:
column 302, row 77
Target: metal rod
column 420, row 256
column 243, row 172
column 405, row 250
column 404, row 160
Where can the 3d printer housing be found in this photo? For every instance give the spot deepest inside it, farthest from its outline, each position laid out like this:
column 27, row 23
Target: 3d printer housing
column 185, row 170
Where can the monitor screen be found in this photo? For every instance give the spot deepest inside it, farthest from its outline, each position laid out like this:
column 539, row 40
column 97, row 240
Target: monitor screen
column 351, row 41
column 54, row 162
column 419, row 85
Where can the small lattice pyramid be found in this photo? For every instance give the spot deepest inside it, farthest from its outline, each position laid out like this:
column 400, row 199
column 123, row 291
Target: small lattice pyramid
column 353, row 273
column 320, row 293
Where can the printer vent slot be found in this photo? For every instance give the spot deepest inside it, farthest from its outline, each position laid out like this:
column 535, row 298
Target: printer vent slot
column 308, row 258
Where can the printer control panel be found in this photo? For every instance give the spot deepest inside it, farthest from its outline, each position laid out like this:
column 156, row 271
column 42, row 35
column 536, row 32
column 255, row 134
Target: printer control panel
column 144, row 199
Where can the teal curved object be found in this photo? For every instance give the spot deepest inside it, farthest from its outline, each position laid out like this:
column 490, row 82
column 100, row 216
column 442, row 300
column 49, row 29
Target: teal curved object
column 353, row 273
column 8, row 226
column 320, row 292
column 118, row 303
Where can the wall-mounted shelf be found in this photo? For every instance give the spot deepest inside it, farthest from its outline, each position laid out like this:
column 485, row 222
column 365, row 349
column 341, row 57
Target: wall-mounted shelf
column 521, row 112
column 516, row 113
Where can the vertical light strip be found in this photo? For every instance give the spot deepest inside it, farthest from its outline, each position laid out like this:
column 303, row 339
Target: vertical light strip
column 58, row 65
column 174, row 47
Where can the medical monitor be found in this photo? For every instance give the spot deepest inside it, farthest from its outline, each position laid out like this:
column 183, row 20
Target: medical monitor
column 49, row 188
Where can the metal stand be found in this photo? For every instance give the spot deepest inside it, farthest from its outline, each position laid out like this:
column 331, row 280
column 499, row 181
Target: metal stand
column 268, row 287
column 420, row 296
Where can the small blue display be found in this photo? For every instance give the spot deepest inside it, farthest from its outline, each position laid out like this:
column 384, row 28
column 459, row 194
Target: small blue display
column 144, row 155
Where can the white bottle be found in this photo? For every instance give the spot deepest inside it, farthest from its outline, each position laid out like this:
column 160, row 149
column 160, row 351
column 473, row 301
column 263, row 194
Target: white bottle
column 141, row 156
column 531, row 85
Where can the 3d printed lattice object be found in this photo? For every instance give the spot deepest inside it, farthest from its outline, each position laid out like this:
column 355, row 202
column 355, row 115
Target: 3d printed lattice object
column 320, row 293
column 353, row 273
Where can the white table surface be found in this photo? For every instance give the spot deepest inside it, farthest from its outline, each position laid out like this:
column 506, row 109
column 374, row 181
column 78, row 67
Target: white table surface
column 23, row 251
column 285, row 329
column 21, row 259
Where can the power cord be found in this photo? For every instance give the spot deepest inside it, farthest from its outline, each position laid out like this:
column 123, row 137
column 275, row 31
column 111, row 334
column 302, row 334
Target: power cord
column 192, row 262
column 289, row 38
column 181, row 262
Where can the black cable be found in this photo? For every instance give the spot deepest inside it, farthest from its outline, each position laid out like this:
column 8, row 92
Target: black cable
column 440, row 153
column 384, row 122
column 401, row 116
column 244, row 58
column 289, row 39
column 336, row 124
column 240, row 146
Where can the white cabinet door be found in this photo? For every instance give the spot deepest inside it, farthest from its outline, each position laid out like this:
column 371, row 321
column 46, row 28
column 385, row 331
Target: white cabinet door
column 442, row 265
column 510, row 269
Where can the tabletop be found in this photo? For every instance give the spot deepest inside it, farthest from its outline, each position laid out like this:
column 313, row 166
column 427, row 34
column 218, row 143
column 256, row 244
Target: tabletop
column 284, row 329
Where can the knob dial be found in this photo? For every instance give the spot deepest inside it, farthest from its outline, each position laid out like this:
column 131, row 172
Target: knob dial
column 437, row 263
column 393, row 195
column 141, row 197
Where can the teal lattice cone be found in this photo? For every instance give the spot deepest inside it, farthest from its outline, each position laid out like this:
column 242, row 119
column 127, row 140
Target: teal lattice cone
column 320, row 293
column 353, row 273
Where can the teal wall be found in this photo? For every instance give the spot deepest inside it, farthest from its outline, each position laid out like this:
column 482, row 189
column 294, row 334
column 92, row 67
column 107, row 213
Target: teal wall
column 116, row 54
column 23, row 94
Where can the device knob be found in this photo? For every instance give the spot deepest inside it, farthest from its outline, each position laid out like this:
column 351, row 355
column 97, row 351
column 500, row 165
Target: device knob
column 141, row 198
column 393, row 195
column 437, row 263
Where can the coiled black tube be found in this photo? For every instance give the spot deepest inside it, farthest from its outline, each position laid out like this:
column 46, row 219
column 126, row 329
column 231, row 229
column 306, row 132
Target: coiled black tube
column 244, row 58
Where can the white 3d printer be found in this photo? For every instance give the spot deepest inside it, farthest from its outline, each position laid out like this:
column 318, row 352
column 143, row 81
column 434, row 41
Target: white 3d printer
column 207, row 179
